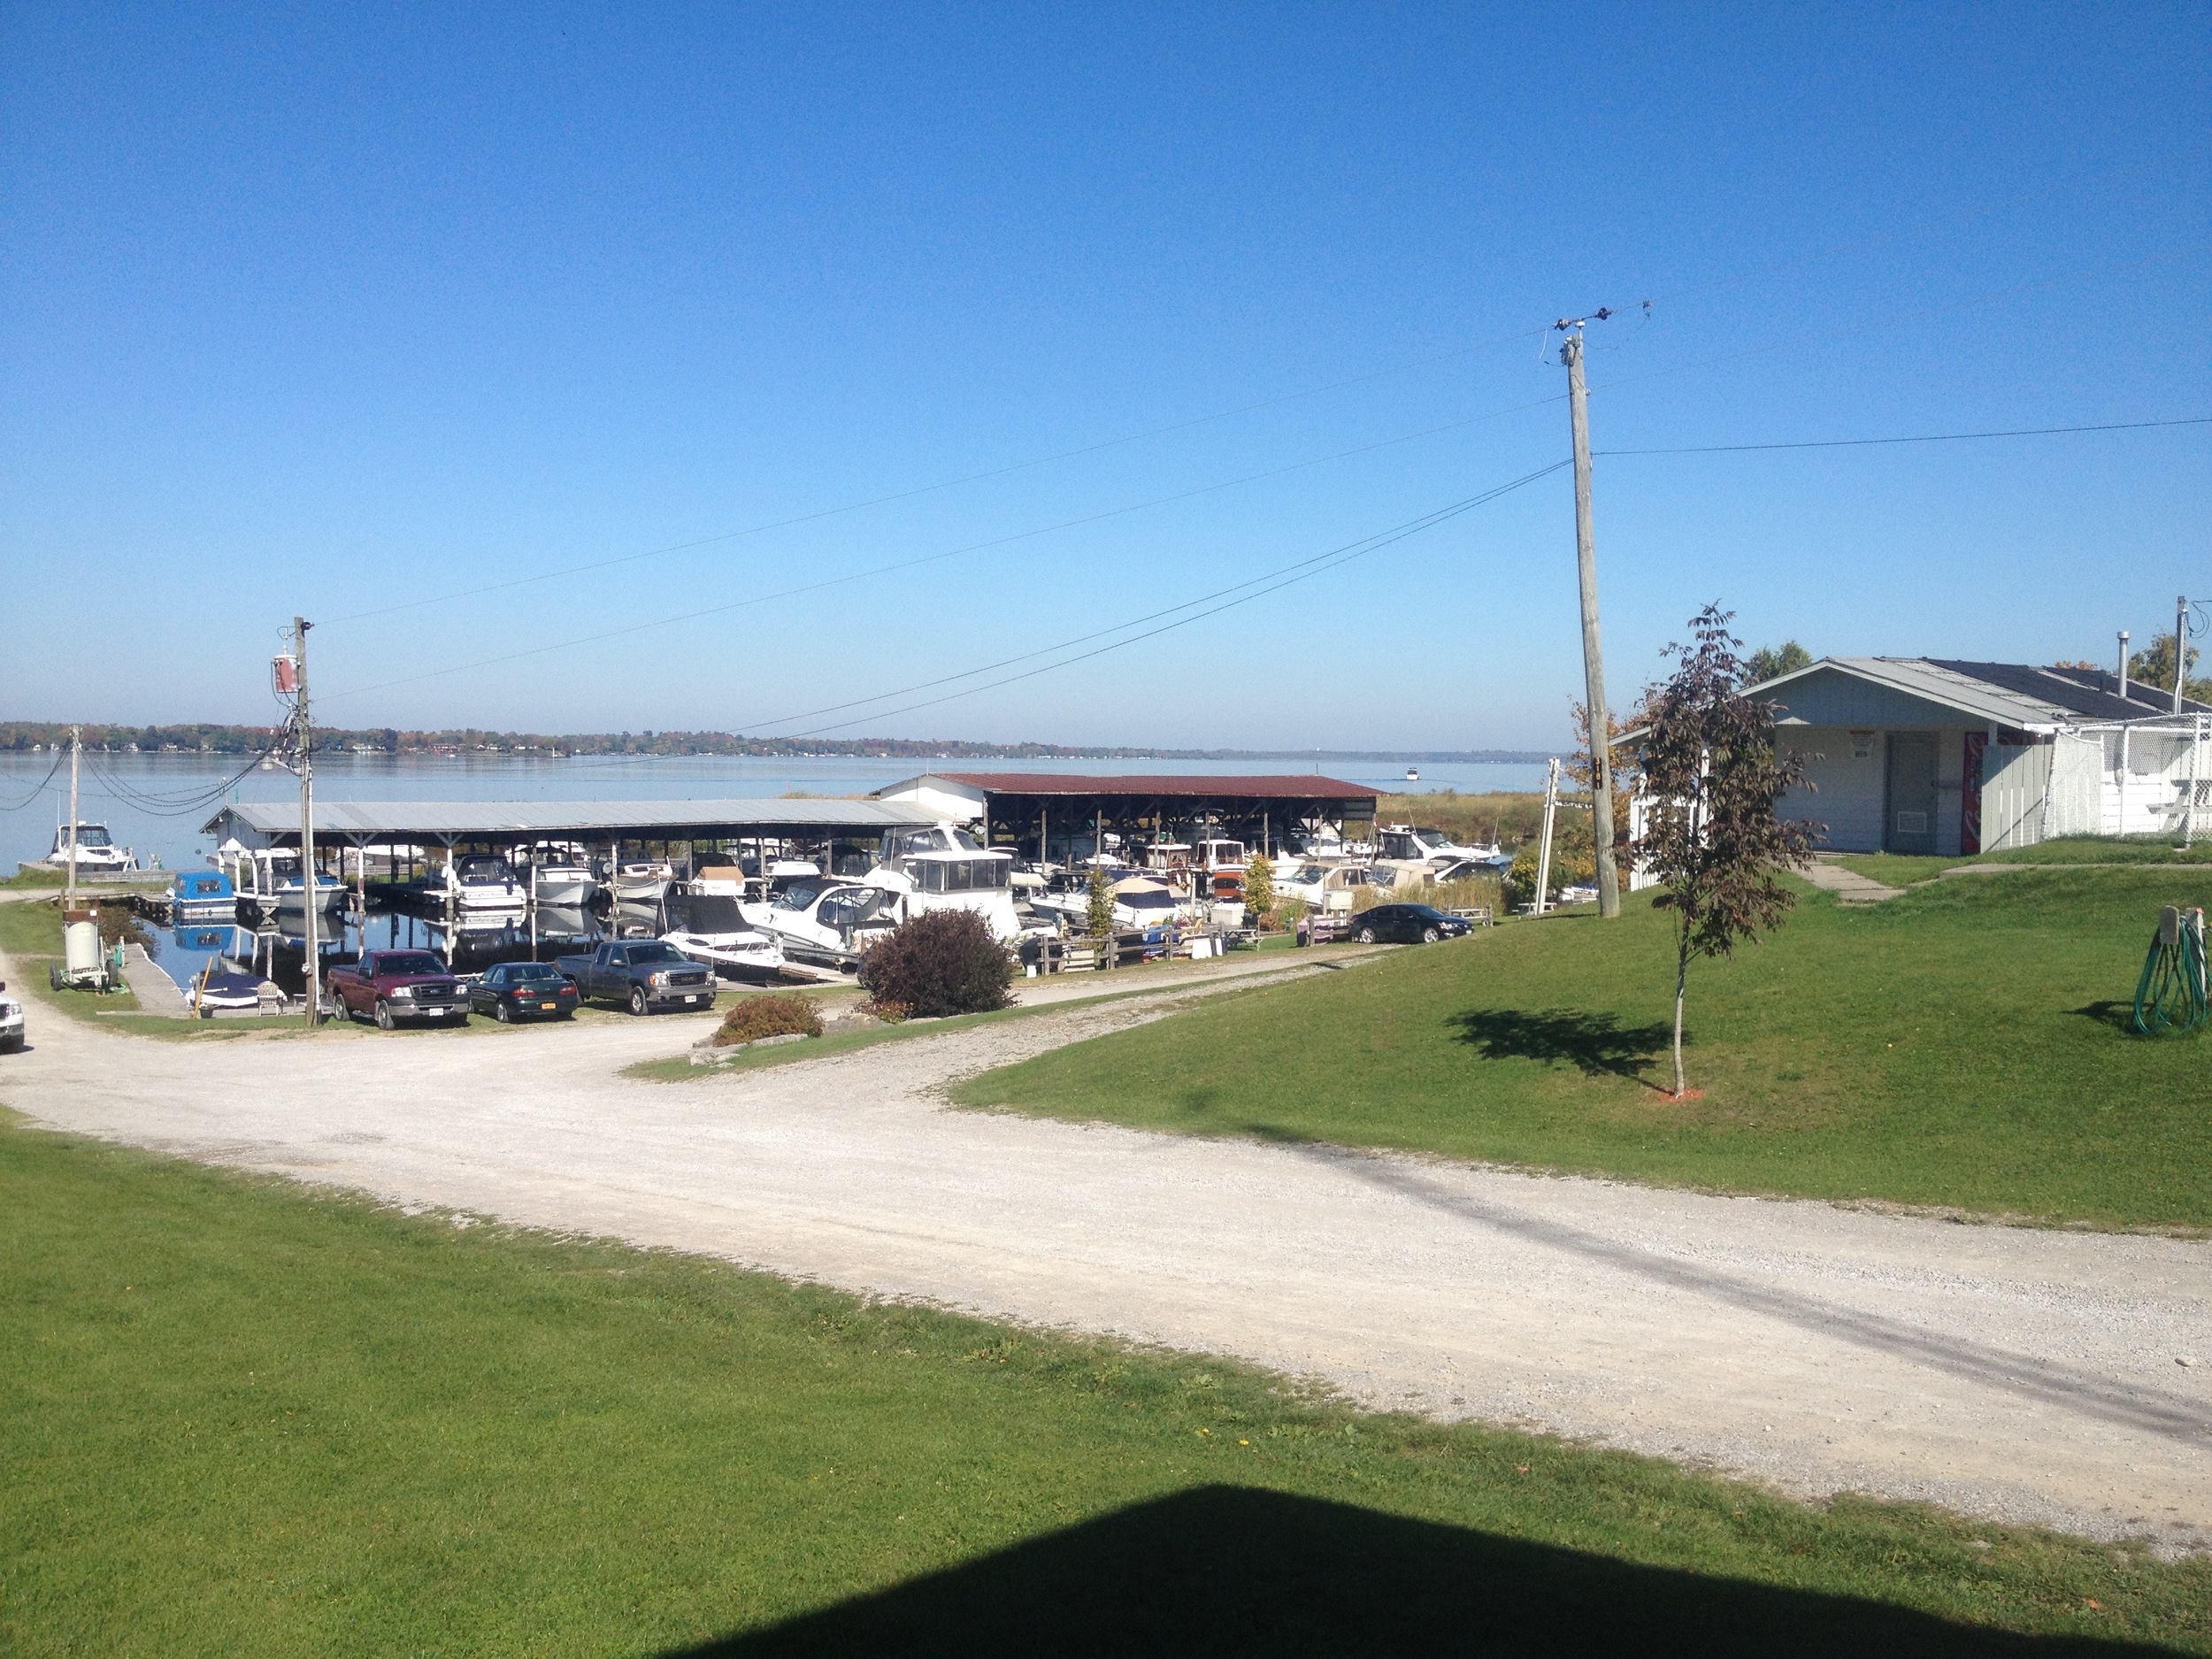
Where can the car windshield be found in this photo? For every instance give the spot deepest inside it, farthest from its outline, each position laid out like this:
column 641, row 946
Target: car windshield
column 408, row 962
column 532, row 970
column 653, row 951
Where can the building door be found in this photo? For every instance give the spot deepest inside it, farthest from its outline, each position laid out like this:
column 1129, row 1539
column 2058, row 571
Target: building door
column 1909, row 825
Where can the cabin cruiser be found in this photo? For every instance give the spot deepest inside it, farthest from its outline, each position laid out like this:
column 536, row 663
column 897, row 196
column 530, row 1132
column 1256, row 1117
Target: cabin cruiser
column 558, row 874
column 269, row 878
column 482, row 881
column 1326, row 886
column 1140, row 900
column 945, row 868
column 714, row 932
column 643, row 880
column 202, row 895
column 96, row 849
column 824, row 924
column 1433, row 849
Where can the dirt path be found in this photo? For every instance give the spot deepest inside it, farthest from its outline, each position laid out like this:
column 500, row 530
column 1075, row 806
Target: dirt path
column 2023, row 1375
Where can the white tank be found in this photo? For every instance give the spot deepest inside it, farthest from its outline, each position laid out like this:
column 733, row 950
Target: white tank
column 80, row 947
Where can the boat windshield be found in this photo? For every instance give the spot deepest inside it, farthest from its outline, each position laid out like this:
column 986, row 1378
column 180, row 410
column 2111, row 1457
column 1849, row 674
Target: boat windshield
column 88, row 836
column 961, row 875
column 800, row 895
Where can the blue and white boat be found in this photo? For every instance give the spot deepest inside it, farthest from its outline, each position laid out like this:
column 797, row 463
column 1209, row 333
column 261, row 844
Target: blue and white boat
column 202, row 895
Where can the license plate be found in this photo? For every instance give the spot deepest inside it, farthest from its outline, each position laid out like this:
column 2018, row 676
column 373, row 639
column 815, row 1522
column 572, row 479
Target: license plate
column 695, row 999
column 548, row 1008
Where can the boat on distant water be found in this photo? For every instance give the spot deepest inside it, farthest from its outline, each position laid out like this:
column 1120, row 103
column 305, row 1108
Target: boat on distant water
column 96, row 851
column 1413, row 775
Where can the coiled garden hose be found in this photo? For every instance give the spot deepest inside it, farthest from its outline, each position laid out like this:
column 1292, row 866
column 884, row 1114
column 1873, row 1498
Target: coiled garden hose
column 2170, row 996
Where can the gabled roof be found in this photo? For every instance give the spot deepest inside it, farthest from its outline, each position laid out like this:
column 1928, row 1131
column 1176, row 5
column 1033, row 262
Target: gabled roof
column 2011, row 693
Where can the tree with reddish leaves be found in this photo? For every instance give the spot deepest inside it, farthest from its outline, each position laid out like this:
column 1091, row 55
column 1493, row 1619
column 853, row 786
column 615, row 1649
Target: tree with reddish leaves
column 1711, row 774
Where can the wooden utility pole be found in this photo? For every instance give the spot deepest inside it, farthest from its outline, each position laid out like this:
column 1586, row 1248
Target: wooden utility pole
column 69, row 884
column 1593, row 656
column 1543, row 849
column 311, row 897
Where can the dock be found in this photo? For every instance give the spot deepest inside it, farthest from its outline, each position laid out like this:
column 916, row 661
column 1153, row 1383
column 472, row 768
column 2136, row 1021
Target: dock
column 156, row 991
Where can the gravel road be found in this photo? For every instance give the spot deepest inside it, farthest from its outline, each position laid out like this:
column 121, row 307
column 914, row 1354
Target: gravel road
column 2022, row 1375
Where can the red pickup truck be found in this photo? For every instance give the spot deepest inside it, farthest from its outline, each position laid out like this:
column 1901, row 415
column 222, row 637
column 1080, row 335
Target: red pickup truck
column 392, row 987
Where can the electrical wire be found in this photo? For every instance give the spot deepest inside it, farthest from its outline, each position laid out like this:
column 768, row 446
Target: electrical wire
column 1927, row 437
column 1336, row 561
column 930, row 558
column 177, row 805
column 40, row 789
column 951, row 483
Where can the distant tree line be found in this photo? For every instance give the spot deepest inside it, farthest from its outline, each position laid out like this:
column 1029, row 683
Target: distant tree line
column 207, row 738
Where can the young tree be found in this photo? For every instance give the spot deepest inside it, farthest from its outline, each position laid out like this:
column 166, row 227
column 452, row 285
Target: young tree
column 1711, row 771
column 1099, row 910
column 1259, row 888
column 1770, row 662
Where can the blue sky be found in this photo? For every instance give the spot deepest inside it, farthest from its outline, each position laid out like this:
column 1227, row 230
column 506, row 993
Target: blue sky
column 333, row 310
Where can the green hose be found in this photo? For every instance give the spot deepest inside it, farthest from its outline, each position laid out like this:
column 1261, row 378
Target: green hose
column 2170, row 996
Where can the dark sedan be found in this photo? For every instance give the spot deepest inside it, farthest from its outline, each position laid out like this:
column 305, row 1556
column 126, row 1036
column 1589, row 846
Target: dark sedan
column 1406, row 925
column 523, row 990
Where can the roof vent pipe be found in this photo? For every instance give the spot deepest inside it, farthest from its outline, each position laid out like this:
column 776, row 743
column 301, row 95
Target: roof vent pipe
column 2123, row 665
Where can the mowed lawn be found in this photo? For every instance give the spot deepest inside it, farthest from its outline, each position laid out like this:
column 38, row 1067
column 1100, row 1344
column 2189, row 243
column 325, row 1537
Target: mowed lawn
column 239, row 1418
column 1963, row 1045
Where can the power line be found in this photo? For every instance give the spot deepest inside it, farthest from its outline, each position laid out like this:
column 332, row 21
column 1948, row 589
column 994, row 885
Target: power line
column 945, row 484
column 40, row 789
column 1369, row 545
column 930, row 558
column 1925, row 437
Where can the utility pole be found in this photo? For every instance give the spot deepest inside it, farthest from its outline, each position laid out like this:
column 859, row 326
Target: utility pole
column 1543, row 851
column 310, row 898
column 1593, row 656
column 69, row 887
column 2181, row 645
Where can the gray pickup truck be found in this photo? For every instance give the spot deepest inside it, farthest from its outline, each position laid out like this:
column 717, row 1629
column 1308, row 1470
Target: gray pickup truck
column 643, row 972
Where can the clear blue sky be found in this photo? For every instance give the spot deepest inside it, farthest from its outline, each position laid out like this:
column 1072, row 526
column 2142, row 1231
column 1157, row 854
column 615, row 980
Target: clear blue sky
column 329, row 309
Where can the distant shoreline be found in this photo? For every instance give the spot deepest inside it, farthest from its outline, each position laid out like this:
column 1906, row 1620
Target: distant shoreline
column 25, row 736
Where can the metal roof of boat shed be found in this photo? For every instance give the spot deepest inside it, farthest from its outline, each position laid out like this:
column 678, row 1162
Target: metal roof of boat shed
column 1168, row 786
column 279, row 821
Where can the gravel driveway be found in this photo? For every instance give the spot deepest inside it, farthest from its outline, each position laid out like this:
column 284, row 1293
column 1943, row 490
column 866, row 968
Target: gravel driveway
column 2024, row 1375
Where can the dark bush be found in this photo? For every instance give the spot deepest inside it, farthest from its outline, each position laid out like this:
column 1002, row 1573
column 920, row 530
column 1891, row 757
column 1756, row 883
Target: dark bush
column 758, row 1016
column 942, row 962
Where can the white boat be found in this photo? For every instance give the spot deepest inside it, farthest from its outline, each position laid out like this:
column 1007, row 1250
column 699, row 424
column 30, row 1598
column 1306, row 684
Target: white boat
column 823, row 925
column 269, row 876
column 484, row 881
column 716, row 932
column 96, row 851
column 945, row 868
column 556, row 875
column 1413, row 844
column 643, row 880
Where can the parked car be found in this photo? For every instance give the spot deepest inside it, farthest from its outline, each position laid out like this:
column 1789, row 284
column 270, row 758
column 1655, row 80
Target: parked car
column 1406, row 925
column 11, row 1023
column 510, row 991
column 645, row 974
column 391, row 986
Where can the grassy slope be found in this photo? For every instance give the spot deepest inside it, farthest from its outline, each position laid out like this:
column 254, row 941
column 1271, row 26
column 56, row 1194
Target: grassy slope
column 1958, row 1046
column 1897, row 869
column 242, row 1419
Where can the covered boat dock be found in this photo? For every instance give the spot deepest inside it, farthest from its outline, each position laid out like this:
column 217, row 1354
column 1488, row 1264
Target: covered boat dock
column 1056, row 816
column 655, row 828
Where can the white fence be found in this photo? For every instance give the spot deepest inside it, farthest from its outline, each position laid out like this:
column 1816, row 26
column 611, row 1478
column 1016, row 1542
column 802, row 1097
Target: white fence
column 2145, row 777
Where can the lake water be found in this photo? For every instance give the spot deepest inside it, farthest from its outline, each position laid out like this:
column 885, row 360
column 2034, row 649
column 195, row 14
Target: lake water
column 156, row 804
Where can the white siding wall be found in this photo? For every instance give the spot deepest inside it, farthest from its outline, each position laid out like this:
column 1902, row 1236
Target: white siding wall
column 1848, row 794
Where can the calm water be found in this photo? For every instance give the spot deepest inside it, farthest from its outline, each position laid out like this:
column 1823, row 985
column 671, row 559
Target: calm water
column 155, row 804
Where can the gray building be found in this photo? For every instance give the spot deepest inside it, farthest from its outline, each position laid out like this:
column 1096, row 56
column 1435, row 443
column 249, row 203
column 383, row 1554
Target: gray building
column 1926, row 755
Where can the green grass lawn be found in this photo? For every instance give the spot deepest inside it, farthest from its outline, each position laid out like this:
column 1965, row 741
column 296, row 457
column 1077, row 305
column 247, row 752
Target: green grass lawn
column 239, row 1418
column 1898, row 869
column 1963, row 1045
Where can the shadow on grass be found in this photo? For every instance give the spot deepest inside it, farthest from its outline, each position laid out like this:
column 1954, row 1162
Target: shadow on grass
column 1595, row 1044
column 2119, row 1015
column 1227, row 1571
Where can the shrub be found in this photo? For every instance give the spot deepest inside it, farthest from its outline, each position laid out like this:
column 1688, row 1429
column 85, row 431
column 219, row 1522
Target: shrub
column 1259, row 889
column 753, row 1017
column 941, row 962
